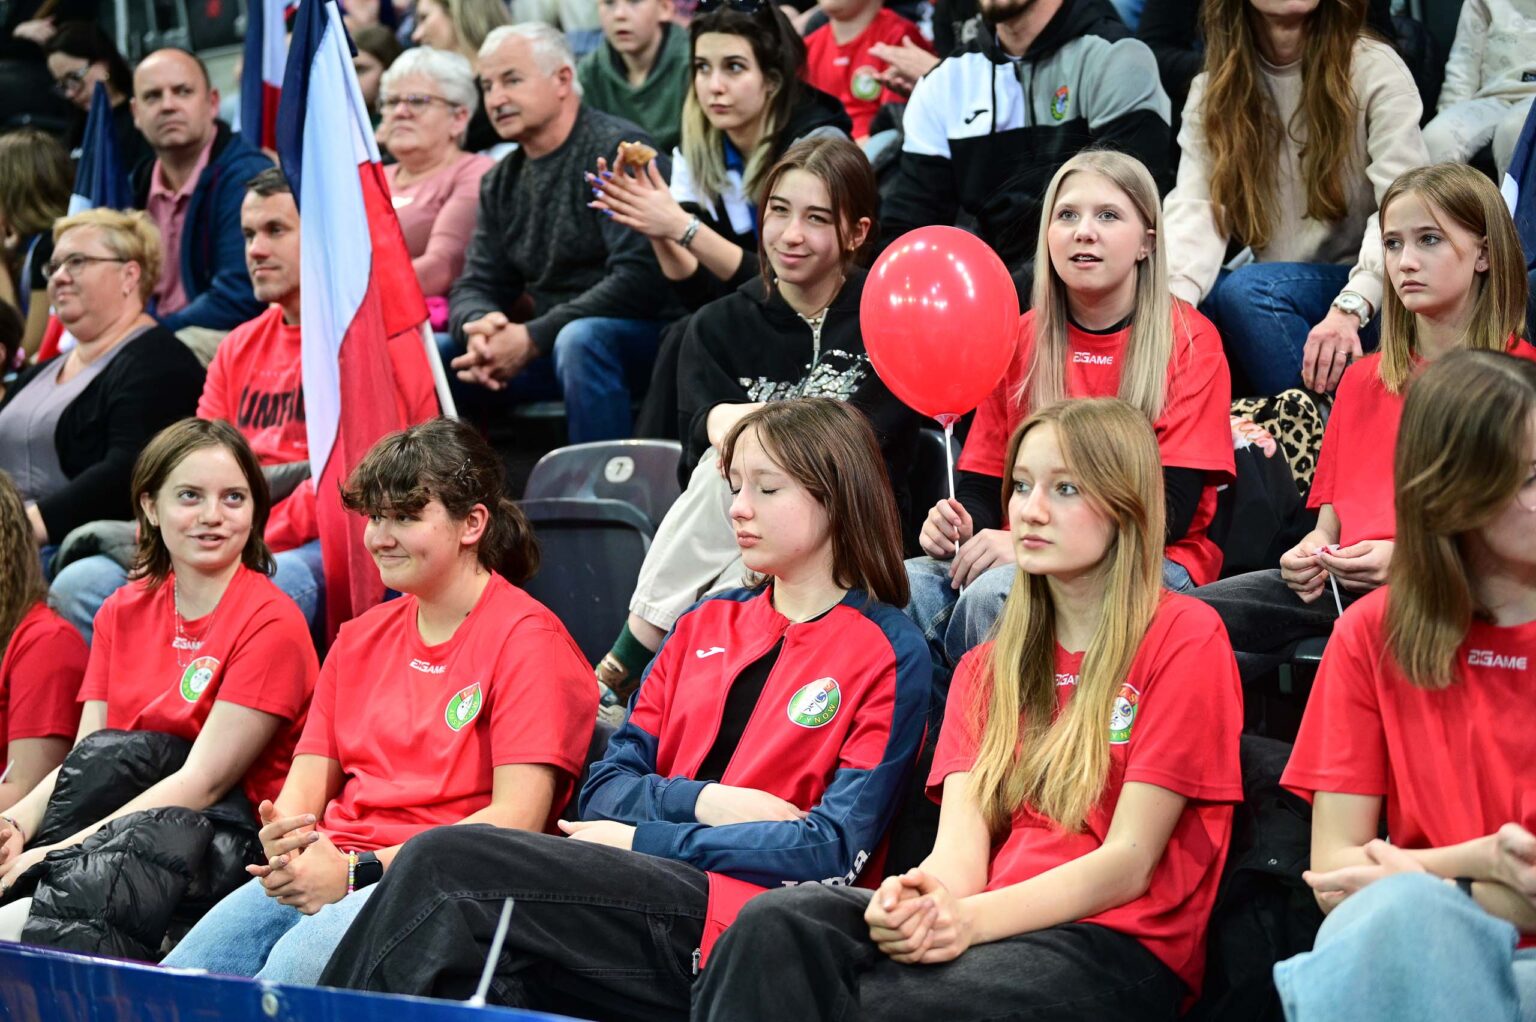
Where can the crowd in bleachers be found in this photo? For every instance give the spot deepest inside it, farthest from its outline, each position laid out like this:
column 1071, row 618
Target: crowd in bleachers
column 1199, row 688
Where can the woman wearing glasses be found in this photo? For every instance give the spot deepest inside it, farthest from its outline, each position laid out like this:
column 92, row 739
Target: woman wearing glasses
column 79, row 56
column 427, row 98
column 71, row 427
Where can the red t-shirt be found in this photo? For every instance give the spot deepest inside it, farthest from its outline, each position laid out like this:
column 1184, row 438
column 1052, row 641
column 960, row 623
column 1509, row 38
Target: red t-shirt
column 1176, row 725
column 253, row 650
column 255, row 383
column 1194, row 431
column 1354, row 467
column 40, row 676
column 1452, row 765
column 419, row 729
column 851, row 73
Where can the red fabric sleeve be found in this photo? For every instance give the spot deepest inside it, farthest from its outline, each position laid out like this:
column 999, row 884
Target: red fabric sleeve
column 1342, row 745
column 1195, row 429
column 964, row 719
column 293, row 522
column 273, row 669
column 319, row 737
column 544, row 701
column 987, row 442
column 45, row 673
column 215, row 402
column 1190, row 714
column 98, row 667
column 1340, row 426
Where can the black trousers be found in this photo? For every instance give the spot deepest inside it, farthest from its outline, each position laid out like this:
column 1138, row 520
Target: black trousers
column 1264, row 617
column 596, row 932
column 804, row 953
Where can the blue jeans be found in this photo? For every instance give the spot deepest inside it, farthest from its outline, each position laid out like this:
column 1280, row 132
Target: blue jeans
column 597, row 366
column 79, row 590
column 1408, row 947
column 954, row 622
column 1265, row 311
column 250, row 934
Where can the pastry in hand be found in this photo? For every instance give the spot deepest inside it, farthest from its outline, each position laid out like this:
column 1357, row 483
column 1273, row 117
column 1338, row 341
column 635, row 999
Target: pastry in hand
column 634, row 154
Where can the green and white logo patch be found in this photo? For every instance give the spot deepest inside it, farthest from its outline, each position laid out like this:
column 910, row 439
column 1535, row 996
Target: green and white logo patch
column 463, row 708
column 197, row 677
column 815, row 704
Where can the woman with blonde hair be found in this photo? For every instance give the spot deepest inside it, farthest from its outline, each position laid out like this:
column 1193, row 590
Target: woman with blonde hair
column 1087, row 762
column 1102, row 324
column 71, row 427
column 1457, row 280
column 461, row 27
column 35, row 184
column 1421, row 718
column 1291, row 135
column 42, row 660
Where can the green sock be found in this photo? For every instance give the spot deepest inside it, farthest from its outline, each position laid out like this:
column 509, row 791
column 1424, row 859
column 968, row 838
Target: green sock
column 631, row 652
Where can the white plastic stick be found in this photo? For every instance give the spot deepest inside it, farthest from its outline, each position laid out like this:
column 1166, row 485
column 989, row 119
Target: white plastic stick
column 1336, row 601
column 7, row 772
column 478, row 1001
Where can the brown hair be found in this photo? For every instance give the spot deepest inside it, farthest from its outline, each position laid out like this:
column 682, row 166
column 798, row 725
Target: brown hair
column 1243, row 130
column 1463, row 450
column 168, row 448
column 130, row 234
column 1059, row 763
column 844, row 169
column 446, row 460
column 829, row 448
column 1471, row 200
column 35, row 181
column 22, row 586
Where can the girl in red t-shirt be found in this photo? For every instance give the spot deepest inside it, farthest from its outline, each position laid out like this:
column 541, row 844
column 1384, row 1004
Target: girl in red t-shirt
column 1088, row 762
column 1458, row 281
column 201, row 645
column 464, row 701
column 42, row 660
column 1103, row 324
column 1422, row 717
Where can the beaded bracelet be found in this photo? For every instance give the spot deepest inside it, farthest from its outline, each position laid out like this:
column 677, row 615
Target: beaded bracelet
column 351, row 872
column 16, row 827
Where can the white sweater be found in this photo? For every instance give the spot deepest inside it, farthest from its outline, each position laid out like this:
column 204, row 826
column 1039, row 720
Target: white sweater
column 1495, row 47
column 1387, row 142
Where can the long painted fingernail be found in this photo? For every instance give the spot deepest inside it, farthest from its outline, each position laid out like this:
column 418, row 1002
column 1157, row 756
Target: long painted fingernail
column 608, row 213
column 605, row 175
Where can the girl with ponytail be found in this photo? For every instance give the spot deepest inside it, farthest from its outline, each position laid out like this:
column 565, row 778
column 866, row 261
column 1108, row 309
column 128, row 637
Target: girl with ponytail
column 464, row 701
column 1087, row 763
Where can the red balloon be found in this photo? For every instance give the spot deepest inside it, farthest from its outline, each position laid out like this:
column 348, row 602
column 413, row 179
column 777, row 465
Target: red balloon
column 940, row 317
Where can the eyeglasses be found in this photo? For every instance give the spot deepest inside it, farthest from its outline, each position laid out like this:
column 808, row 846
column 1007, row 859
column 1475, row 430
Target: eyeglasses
column 68, row 84
column 418, row 102
column 739, row 6
column 75, row 264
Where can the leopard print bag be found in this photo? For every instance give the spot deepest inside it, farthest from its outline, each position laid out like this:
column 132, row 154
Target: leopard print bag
column 1295, row 418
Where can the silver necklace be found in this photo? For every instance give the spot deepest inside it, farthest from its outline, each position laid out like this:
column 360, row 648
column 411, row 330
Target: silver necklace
column 181, row 641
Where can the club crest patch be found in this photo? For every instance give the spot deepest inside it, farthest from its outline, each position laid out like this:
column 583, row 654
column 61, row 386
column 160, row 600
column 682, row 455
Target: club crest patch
column 197, row 677
column 815, row 704
column 1123, row 716
column 463, row 708
column 1059, row 103
column 865, row 83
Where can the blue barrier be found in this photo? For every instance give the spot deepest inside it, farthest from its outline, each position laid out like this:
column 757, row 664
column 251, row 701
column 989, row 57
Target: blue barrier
column 43, row 985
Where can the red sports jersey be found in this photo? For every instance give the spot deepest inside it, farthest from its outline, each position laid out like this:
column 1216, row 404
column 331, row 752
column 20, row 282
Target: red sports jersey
column 255, row 383
column 1194, row 431
column 253, row 650
column 1176, row 725
column 848, row 70
column 1354, row 467
column 1453, row 764
column 40, row 676
column 419, row 729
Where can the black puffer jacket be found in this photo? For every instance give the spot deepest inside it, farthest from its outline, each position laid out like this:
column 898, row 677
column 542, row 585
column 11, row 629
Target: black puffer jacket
column 142, row 876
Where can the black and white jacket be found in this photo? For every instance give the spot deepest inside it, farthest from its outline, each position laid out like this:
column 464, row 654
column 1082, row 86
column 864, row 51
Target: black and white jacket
column 985, row 132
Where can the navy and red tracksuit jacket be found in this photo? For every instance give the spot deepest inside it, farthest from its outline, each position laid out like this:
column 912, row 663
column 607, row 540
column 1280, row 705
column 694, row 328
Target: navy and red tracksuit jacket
column 835, row 732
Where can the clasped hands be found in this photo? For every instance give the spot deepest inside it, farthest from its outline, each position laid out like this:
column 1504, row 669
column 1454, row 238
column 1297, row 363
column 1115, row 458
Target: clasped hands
column 304, row 869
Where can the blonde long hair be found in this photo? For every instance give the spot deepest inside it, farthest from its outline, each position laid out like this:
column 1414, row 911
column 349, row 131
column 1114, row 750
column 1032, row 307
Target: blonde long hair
column 1144, row 373
column 1470, row 200
column 1463, row 450
column 1243, row 129
column 1058, row 764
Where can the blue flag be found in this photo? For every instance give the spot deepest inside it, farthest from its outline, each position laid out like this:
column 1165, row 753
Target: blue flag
column 100, row 180
column 1519, row 188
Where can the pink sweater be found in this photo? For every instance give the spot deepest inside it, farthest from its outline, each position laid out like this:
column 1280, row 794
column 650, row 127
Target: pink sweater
column 437, row 216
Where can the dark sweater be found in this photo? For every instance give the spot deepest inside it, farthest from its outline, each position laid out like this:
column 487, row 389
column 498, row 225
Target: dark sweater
column 535, row 235
column 152, row 382
column 748, row 347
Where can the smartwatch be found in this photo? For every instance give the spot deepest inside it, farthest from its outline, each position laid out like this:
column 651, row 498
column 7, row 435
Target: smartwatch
column 369, row 870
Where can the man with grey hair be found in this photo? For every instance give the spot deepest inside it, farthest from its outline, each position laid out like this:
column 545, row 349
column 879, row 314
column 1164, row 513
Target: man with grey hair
column 599, row 298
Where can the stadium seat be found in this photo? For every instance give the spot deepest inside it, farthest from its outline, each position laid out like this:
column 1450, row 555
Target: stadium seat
column 641, row 472
column 590, row 555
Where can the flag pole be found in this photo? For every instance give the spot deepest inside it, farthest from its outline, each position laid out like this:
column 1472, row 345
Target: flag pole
column 439, row 376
